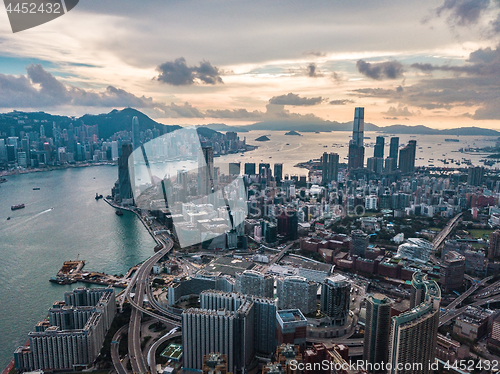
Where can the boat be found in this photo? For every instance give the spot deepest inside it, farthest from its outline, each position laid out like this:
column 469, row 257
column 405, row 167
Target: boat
column 36, row 188
column 16, row 207
column 452, row 140
column 8, row 218
column 119, row 212
column 97, row 196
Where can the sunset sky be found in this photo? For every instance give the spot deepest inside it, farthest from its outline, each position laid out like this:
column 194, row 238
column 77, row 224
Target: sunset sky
column 433, row 63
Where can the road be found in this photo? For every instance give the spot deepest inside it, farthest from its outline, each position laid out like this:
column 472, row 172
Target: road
column 115, row 355
column 467, row 293
column 140, row 281
column 152, row 351
column 443, row 234
column 454, row 314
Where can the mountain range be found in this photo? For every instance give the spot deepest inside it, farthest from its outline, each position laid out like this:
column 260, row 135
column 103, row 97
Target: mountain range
column 121, row 120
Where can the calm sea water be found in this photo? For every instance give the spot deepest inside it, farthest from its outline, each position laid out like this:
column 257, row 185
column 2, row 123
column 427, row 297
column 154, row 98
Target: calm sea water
column 36, row 240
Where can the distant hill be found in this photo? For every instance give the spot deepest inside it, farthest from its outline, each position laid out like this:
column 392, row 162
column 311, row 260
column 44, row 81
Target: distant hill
column 327, row 126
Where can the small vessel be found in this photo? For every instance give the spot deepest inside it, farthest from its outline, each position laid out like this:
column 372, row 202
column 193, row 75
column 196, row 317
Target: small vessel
column 16, row 207
column 8, row 218
column 119, row 212
column 36, row 188
column 452, row 140
column 97, row 196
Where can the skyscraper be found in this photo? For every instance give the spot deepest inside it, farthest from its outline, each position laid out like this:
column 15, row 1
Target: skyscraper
column 475, row 176
column 335, row 294
column 136, row 133
column 125, row 186
column 414, row 333
column 330, row 167
column 377, row 330
column 452, row 271
column 394, row 150
column 206, row 170
column 407, row 157
column 356, row 157
column 278, row 173
column 379, row 147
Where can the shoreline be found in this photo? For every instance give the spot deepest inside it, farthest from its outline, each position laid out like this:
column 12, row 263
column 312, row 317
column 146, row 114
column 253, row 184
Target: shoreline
column 5, row 173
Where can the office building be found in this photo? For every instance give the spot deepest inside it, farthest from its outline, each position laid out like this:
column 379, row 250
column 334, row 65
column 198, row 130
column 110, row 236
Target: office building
column 452, row 271
column 291, row 327
column 252, row 282
column 379, row 147
column 297, row 293
column 407, row 157
column 473, row 323
column 206, row 171
column 124, row 193
column 414, row 333
column 475, row 176
column 330, row 167
column 288, row 223
column 394, row 150
column 359, row 243
column 377, row 330
column 494, row 248
column 335, row 294
column 356, row 156
column 73, row 337
column 136, row 133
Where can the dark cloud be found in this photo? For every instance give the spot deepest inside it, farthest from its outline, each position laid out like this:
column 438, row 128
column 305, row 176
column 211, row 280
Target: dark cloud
column 294, row 99
column 341, row 102
column 312, row 71
column 381, row 70
column 40, row 89
column 337, row 77
column 178, row 73
column 463, row 12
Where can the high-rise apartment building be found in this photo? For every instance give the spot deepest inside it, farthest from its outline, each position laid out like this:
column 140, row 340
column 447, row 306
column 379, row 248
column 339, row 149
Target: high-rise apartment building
column 124, row 191
column 297, row 292
column 407, row 157
column 278, row 173
column 378, row 151
column 330, row 167
column 74, row 335
column 251, row 282
column 475, row 176
column 377, row 330
column 413, row 337
column 250, row 168
column 394, row 150
column 335, row 294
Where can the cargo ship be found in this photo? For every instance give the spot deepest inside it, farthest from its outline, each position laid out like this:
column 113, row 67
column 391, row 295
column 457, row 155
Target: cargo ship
column 16, row 207
column 452, row 140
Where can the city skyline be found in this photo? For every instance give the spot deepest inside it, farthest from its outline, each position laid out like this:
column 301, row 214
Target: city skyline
column 431, row 63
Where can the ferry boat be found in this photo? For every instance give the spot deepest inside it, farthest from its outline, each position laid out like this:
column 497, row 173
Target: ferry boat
column 16, row 207
column 36, row 188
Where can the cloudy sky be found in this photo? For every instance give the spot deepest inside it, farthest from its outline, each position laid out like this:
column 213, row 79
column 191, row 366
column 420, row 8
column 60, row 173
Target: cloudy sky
column 434, row 63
